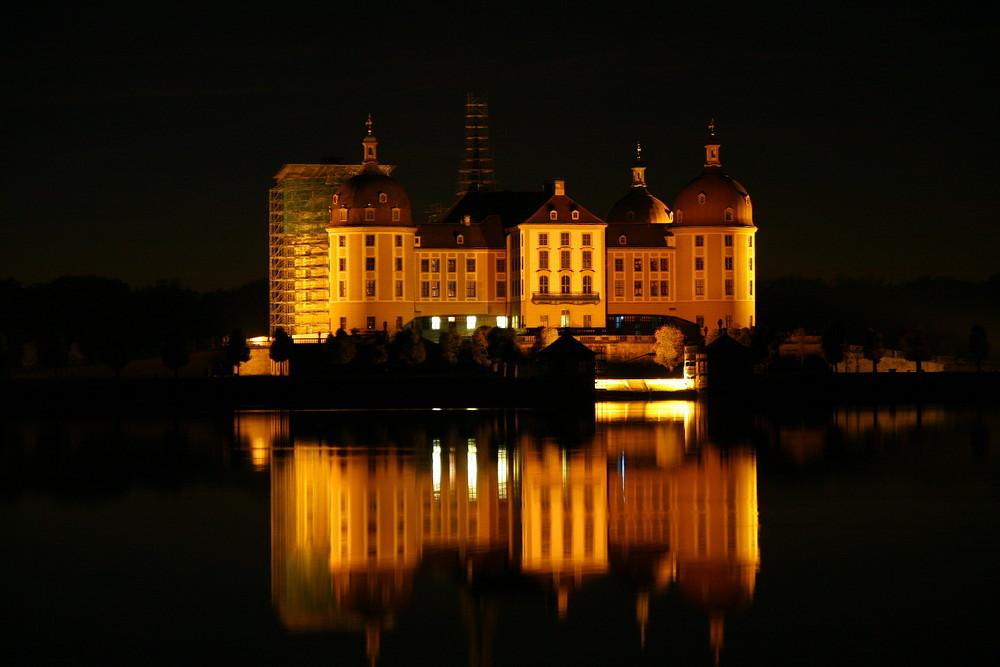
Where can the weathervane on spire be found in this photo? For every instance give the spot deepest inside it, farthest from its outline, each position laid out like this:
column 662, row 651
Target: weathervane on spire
column 711, row 128
column 368, row 124
column 638, row 151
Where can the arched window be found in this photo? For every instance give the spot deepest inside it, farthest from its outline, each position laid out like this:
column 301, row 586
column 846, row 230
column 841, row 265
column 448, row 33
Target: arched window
column 564, row 285
column 622, row 239
column 701, row 197
column 543, row 285
column 575, row 215
column 729, row 215
column 460, row 240
column 588, row 284
column 395, row 214
column 553, row 215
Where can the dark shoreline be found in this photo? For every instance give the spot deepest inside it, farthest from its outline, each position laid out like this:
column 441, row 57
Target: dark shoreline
column 464, row 391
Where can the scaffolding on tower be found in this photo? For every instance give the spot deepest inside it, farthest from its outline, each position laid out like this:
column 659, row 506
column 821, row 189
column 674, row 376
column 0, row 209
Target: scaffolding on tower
column 476, row 170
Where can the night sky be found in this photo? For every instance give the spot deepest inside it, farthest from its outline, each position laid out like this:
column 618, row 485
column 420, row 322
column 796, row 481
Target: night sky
column 140, row 141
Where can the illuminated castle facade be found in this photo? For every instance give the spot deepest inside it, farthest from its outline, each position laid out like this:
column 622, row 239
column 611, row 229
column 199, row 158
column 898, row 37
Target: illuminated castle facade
column 511, row 259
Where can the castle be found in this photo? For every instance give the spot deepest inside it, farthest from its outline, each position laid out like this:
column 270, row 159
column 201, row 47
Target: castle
column 347, row 254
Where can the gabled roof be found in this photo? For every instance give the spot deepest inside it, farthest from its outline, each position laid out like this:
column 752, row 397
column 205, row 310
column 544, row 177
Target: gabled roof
column 485, row 234
column 510, row 208
column 564, row 207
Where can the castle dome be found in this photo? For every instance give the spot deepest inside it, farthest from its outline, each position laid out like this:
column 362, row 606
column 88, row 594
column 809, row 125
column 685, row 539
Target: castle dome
column 372, row 197
column 638, row 205
column 713, row 198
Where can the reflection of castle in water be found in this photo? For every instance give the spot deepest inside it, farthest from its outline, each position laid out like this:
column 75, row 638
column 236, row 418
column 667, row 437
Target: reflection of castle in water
column 646, row 498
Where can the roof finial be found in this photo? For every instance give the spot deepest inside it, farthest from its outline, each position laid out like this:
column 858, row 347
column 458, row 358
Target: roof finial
column 638, row 151
column 711, row 127
column 368, row 124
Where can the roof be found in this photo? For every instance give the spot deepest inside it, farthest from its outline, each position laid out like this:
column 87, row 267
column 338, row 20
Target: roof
column 637, row 235
column 485, row 234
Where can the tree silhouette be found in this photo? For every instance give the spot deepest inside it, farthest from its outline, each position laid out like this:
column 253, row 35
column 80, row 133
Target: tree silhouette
column 408, row 347
column 237, row 351
column 832, row 345
column 282, row 346
column 174, row 353
column 669, row 346
column 979, row 345
column 502, row 348
column 916, row 347
column 450, row 343
column 545, row 337
column 340, row 349
column 872, row 349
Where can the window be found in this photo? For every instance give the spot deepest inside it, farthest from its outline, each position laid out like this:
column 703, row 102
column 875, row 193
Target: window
column 700, row 321
column 729, row 263
column 399, row 263
column 395, row 215
column 564, row 322
column 435, row 265
column 750, row 265
column 343, row 215
column 637, row 265
column 564, row 238
column 622, row 239
column 587, row 259
column 586, row 238
column 654, row 289
column 652, row 264
column 699, row 263
column 619, row 288
column 342, row 263
column 664, row 288
column 470, row 289
column 637, row 288
column 399, row 288
column 343, row 323
column 425, row 289
column 370, row 323
column 460, row 239
column 435, row 289
column 451, row 265
column 369, row 214
column 699, row 241
column 425, row 265
column 470, row 266
column 619, row 264
column 369, row 240
column 341, row 241
column 543, row 239
column 588, row 321
column 501, row 265
column 729, row 238
column 399, row 322
column 663, row 264
column 342, row 289
column 564, row 285
column 729, row 286
column 588, row 284
column 543, row 259
column 750, row 242
column 501, row 289
column 543, row 284
column 553, row 215
column 751, row 288
column 574, row 215
column 701, row 197
column 382, row 198
column 452, row 289
column 564, row 259
column 544, row 319
column 729, row 215
column 699, row 287
column 729, row 321
column 369, row 263
column 399, row 241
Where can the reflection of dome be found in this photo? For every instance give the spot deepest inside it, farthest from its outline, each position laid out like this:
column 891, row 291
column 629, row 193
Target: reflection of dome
column 371, row 198
column 713, row 199
column 638, row 205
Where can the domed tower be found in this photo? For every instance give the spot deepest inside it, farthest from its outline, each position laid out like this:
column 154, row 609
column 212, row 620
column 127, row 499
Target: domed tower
column 371, row 249
column 640, row 248
column 714, row 235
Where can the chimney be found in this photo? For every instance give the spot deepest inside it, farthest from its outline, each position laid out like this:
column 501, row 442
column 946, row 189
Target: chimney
column 560, row 186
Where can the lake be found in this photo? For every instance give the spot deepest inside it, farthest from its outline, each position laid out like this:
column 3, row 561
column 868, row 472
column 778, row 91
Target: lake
column 629, row 533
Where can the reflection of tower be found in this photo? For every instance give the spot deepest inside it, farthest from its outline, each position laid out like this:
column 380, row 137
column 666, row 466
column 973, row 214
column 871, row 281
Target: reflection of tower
column 564, row 516
column 476, row 170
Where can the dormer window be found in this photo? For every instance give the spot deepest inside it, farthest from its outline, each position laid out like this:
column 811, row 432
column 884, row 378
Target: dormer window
column 460, row 240
column 701, row 197
column 369, row 214
column 416, row 241
column 343, row 214
column 678, row 216
column 395, row 214
column 382, row 198
column 729, row 215
column 575, row 215
column 336, row 199
column 553, row 215
column 622, row 239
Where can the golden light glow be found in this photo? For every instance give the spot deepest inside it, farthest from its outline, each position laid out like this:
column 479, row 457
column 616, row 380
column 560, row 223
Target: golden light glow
column 644, row 385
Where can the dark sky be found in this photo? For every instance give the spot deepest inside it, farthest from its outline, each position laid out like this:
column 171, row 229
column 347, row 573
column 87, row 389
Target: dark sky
column 141, row 140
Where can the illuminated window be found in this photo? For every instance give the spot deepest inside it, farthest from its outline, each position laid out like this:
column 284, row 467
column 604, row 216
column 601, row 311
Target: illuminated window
column 451, row 265
column 543, row 284
column 382, row 198
column 435, row 289
column 729, row 286
column 371, row 323
column 369, row 288
column 637, row 265
column 729, row 263
column 728, row 237
column 699, row 263
column 622, row 239
column 452, row 289
column 399, row 288
column 460, row 239
column 501, row 289
column 637, row 288
column 436, row 324
column 564, row 285
column 699, row 241
column 575, row 215
column 502, row 323
column 544, row 319
column 699, row 287
column 543, row 239
column 425, row 289
column 470, row 289
column 553, row 215
column 588, row 285
column 470, row 266
column 619, row 264
column 435, row 265
column 369, row 263
column 663, row 264
column 587, row 240
column 619, row 288
column 343, row 215
column 587, row 259
column 564, row 239
column 369, row 240
column 543, row 259
column 369, row 214
column 399, row 263
column 564, row 259
column 564, row 322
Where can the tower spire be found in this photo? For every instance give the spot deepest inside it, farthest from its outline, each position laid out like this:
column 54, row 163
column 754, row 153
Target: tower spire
column 712, row 148
column 476, row 170
column 370, row 145
column 638, row 169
